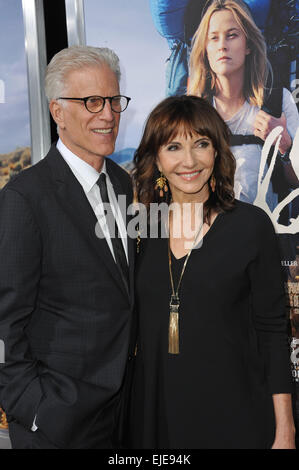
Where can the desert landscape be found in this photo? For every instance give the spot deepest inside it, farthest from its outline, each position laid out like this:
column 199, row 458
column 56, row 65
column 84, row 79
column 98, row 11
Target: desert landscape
column 12, row 163
column 3, row 422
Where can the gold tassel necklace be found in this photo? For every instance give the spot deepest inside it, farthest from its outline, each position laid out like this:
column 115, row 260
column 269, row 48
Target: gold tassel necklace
column 173, row 332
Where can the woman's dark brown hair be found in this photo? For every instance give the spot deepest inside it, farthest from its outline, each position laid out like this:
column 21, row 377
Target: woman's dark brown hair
column 188, row 115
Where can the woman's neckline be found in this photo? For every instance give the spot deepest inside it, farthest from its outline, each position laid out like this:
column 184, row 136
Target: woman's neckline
column 203, row 239
column 236, row 114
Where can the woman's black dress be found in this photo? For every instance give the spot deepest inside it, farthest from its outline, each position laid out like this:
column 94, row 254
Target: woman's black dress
column 217, row 393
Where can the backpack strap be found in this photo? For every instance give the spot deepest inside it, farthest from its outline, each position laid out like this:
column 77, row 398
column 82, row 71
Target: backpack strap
column 239, row 139
column 273, row 103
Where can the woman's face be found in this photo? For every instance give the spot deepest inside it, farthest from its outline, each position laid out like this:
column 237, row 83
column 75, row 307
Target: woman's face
column 226, row 44
column 187, row 162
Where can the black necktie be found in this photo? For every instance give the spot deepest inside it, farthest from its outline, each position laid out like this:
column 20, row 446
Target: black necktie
column 117, row 244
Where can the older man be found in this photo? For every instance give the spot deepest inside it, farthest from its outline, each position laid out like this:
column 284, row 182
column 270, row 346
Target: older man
column 67, row 267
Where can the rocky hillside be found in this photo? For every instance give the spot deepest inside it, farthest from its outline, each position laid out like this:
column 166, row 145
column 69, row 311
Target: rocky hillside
column 3, row 422
column 12, row 163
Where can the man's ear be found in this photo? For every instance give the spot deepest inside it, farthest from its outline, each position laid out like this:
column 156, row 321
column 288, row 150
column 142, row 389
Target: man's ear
column 57, row 111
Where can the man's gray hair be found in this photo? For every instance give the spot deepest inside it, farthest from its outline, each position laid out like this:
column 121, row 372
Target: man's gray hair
column 74, row 58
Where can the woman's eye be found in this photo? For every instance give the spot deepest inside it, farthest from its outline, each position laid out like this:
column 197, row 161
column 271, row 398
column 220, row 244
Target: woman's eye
column 172, row 147
column 203, row 144
column 232, row 35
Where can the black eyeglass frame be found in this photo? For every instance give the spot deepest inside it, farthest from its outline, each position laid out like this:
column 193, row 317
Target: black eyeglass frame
column 104, row 98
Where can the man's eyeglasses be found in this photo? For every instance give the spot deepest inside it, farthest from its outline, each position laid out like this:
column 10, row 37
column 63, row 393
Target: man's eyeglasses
column 95, row 104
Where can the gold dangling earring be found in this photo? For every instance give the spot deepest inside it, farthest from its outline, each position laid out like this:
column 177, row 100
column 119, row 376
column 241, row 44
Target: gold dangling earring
column 161, row 184
column 213, row 183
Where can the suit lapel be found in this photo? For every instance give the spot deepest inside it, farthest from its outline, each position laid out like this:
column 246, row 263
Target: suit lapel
column 75, row 202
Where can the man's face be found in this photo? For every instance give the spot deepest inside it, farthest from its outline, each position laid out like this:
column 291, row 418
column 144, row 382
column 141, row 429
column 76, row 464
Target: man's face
column 89, row 136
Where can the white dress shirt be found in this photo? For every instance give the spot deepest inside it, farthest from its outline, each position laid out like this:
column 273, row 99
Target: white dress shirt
column 88, row 177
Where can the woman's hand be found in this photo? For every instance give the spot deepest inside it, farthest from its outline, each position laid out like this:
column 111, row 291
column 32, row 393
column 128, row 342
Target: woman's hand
column 265, row 123
column 285, row 428
column 285, row 440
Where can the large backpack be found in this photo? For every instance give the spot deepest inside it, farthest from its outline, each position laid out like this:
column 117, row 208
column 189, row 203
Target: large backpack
column 281, row 32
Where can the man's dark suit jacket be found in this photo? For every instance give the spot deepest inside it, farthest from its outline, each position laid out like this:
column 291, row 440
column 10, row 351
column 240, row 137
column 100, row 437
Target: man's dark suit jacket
column 65, row 315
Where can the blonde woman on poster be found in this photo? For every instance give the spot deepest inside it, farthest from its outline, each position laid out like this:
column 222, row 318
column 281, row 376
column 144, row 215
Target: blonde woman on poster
column 229, row 67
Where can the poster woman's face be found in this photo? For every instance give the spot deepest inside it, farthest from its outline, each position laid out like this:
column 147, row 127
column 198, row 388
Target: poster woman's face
column 226, row 45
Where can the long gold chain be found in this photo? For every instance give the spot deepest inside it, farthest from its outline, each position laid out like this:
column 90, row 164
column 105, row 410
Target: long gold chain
column 173, row 333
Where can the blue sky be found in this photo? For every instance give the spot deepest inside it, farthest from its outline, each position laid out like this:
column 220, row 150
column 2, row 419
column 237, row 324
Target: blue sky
column 127, row 28
column 14, row 113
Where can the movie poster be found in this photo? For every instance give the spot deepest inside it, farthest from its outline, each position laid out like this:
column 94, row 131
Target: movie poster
column 129, row 30
column 15, row 138
column 154, row 40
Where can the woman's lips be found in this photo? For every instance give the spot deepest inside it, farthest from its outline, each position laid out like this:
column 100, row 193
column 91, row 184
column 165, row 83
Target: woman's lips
column 190, row 176
column 224, row 59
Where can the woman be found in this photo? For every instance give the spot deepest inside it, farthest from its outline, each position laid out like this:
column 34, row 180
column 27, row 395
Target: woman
column 229, row 66
column 206, row 365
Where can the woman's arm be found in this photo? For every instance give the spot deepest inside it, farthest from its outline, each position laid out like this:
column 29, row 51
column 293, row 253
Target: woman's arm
column 289, row 120
column 270, row 321
column 265, row 123
column 285, row 428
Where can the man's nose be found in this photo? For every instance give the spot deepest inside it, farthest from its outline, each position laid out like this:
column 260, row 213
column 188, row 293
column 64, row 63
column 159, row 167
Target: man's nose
column 107, row 112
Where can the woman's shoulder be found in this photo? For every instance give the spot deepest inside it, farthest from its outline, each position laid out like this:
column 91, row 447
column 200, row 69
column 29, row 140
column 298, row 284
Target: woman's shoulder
column 288, row 100
column 150, row 237
column 287, row 94
column 288, row 103
column 249, row 217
